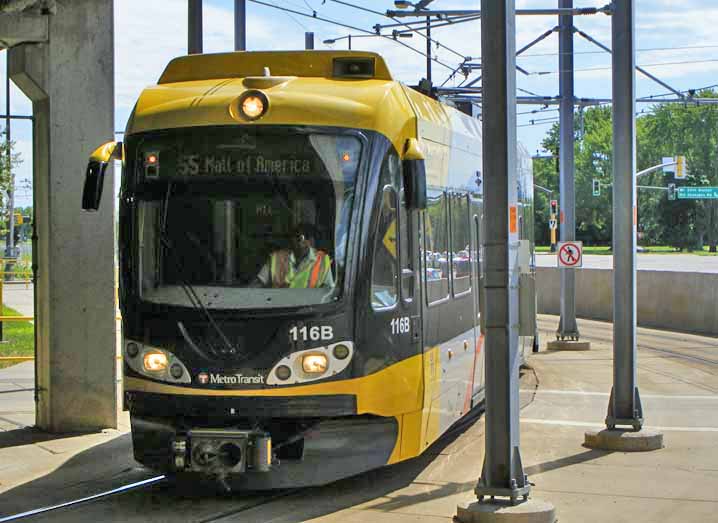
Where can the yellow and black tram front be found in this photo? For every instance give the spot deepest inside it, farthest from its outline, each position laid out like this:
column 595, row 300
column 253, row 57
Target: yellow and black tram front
column 258, row 263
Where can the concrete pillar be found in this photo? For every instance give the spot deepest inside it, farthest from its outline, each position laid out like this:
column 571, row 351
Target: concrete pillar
column 70, row 81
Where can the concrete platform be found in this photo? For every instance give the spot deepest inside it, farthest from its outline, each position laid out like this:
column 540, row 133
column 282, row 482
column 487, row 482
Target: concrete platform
column 563, row 395
column 568, row 345
column 531, row 511
column 643, row 440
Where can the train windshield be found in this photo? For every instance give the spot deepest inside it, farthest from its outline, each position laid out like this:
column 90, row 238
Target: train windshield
column 245, row 219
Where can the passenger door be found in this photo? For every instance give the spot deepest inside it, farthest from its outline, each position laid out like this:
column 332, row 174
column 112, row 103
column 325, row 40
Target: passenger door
column 393, row 327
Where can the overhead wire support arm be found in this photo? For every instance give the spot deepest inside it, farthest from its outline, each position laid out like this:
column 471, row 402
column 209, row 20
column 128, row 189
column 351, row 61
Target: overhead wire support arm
column 377, row 29
column 519, row 52
column 638, row 68
column 537, row 40
column 444, row 21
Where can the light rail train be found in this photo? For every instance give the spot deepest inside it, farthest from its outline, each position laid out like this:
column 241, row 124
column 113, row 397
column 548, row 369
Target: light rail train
column 300, row 266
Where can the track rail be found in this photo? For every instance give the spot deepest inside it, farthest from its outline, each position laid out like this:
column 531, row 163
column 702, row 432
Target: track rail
column 80, row 501
column 681, row 355
column 134, row 486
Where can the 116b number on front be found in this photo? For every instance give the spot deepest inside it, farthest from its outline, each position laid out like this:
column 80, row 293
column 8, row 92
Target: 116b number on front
column 316, row 333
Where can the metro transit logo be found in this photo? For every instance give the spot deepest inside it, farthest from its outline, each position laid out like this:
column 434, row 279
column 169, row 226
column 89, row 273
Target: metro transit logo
column 205, row 378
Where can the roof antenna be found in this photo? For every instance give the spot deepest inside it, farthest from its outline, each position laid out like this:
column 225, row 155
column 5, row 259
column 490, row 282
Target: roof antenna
column 267, row 72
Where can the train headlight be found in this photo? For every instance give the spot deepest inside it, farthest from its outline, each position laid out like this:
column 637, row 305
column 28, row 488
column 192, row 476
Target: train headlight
column 253, row 105
column 155, row 361
column 314, row 363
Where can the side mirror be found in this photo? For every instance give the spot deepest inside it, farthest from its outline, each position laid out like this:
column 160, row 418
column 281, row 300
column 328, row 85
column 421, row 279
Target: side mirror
column 414, row 172
column 95, row 174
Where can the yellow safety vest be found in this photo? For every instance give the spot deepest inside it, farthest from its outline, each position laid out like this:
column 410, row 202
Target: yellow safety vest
column 309, row 277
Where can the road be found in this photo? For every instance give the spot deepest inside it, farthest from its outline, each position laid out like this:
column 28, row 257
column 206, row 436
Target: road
column 646, row 262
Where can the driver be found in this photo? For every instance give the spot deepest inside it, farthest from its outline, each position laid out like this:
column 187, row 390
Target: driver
column 299, row 267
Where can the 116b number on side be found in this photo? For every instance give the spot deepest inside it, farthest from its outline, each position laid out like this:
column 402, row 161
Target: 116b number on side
column 400, row 325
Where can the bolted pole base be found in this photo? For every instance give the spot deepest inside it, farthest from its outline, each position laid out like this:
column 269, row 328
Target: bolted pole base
column 498, row 511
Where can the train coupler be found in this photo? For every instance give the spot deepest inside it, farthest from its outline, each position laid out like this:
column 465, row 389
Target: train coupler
column 219, row 452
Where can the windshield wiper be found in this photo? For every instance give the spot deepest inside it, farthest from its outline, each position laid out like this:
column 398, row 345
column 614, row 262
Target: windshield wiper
column 187, row 287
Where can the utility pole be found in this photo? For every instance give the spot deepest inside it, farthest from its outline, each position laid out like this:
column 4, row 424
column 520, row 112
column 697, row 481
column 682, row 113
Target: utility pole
column 10, row 241
column 428, row 52
column 240, row 25
column 502, row 474
column 194, row 27
column 624, row 407
column 567, row 327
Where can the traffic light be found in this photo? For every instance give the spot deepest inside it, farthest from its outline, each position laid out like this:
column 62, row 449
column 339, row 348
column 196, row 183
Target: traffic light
column 596, row 187
column 554, row 207
column 681, row 168
column 672, row 191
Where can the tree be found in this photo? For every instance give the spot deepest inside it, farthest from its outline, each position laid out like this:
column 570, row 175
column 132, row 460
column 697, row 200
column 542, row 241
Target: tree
column 692, row 131
column 666, row 130
column 8, row 161
column 592, row 161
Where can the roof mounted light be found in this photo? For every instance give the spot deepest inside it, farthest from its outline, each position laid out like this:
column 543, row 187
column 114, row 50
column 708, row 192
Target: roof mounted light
column 353, row 68
column 253, row 105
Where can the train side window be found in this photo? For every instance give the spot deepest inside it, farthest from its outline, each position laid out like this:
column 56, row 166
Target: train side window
column 384, row 281
column 460, row 244
column 405, row 252
column 436, row 248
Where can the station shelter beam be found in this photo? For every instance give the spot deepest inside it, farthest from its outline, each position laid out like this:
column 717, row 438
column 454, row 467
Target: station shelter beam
column 568, row 328
column 625, row 404
column 76, row 350
column 502, row 473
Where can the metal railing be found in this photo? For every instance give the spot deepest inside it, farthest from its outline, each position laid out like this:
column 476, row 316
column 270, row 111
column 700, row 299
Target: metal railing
column 29, row 279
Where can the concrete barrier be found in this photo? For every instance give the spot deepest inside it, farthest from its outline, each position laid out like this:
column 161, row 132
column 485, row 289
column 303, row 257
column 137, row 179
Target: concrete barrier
column 682, row 301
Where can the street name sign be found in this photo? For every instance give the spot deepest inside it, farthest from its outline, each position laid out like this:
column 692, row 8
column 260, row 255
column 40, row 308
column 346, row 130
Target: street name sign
column 697, row 193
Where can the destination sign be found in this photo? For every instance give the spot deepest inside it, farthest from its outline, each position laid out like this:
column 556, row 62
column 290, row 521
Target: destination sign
column 252, row 164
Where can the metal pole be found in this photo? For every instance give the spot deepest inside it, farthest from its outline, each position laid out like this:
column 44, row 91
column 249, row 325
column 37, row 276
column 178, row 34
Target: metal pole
column 10, row 241
column 567, row 327
column 194, row 27
column 240, row 25
column 428, row 51
column 308, row 40
column 502, row 473
column 350, row 42
column 625, row 405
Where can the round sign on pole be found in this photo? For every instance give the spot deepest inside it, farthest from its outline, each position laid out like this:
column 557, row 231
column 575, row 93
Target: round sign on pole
column 570, row 255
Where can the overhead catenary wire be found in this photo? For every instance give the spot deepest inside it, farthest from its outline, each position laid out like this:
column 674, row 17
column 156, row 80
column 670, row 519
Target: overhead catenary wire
column 608, row 68
column 412, row 29
column 645, row 50
column 347, row 26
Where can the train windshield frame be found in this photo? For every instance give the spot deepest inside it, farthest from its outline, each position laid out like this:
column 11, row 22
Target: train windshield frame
column 245, row 218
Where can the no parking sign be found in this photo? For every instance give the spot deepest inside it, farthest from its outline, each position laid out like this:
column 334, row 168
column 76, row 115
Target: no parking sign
column 570, row 255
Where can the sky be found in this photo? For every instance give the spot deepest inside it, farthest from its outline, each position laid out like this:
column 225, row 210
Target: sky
column 676, row 41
